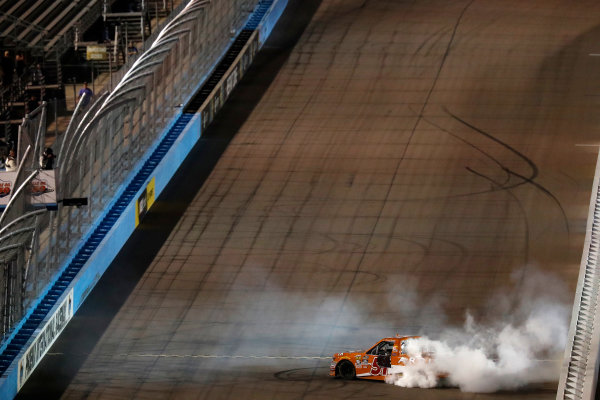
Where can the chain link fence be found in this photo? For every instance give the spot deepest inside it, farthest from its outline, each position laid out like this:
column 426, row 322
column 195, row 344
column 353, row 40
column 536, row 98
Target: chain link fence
column 19, row 223
column 103, row 146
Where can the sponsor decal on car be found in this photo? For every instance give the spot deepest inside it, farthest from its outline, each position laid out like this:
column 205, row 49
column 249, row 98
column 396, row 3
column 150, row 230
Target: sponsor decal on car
column 377, row 370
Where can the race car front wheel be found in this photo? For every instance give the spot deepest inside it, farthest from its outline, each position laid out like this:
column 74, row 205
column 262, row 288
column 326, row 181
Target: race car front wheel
column 346, row 370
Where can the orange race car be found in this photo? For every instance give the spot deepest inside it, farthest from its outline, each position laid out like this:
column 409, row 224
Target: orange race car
column 374, row 363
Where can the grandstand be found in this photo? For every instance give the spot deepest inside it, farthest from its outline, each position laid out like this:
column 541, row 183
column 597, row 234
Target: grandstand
column 44, row 51
column 41, row 40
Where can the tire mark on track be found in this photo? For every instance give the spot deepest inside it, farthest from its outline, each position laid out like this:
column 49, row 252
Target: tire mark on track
column 480, row 150
column 428, row 39
column 519, row 204
column 526, row 221
column 286, row 375
column 525, row 179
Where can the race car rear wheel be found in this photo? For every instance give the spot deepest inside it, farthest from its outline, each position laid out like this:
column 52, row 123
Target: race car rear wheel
column 346, row 370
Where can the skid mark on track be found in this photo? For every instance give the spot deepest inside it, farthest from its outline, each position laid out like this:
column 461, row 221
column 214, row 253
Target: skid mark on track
column 478, row 149
column 519, row 204
column 316, row 381
column 295, row 374
column 433, row 38
column 525, row 179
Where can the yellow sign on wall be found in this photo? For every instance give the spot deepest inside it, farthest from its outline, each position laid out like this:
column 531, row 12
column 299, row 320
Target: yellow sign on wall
column 144, row 202
column 150, row 193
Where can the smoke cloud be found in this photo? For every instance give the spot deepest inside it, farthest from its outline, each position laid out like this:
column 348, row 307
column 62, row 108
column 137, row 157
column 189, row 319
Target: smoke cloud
column 520, row 343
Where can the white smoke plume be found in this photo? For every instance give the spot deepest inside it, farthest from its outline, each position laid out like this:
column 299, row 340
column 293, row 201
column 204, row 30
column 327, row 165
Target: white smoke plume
column 521, row 344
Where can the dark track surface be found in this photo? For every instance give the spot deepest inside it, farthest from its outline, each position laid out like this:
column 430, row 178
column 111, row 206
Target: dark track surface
column 401, row 153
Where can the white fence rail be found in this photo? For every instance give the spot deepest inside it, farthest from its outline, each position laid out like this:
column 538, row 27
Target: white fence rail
column 579, row 375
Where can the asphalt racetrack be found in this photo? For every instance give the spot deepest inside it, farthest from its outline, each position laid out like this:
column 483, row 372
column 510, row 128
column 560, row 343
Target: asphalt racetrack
column 386, row 166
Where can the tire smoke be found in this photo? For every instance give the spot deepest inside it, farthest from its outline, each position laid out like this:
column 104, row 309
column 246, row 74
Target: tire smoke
column 521, row 344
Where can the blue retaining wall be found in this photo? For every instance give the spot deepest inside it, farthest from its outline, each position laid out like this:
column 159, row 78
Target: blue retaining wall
column 269, row 20
column 100, row 246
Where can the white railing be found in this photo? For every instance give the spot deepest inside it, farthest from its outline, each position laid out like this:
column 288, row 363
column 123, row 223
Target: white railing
column 579, row 375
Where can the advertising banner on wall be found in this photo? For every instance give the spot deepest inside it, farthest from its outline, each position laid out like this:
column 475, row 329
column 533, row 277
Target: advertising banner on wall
column 48, row 334
column 236, row 72
column 7, row 180
column 42, row 188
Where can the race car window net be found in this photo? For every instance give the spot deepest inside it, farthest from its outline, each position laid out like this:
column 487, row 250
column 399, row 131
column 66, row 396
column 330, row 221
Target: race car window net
column 386, row 348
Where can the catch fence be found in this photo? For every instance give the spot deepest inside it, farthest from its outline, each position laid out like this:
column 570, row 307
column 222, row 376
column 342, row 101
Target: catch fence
column 102, row 147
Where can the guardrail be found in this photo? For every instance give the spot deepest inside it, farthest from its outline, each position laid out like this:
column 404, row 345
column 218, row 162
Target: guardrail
column 95, row 241
column 579, row 375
